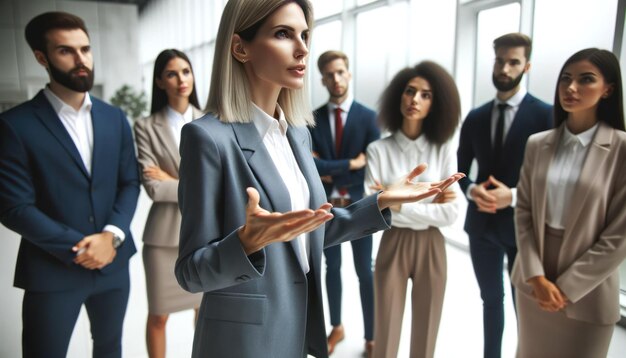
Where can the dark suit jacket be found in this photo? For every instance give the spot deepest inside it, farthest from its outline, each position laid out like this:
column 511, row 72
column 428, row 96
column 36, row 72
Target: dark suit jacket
column 359, row 131
column 262, row 305
column 48, row 197
column 475, row 142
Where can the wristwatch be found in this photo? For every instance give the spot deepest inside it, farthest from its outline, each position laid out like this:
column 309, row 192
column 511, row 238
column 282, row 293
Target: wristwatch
column 117, row 241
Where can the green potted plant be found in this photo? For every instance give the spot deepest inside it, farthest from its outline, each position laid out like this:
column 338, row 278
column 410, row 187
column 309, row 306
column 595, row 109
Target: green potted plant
column 132, row 103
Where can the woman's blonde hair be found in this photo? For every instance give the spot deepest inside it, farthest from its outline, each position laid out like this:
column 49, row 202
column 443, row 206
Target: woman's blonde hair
column 229, row 94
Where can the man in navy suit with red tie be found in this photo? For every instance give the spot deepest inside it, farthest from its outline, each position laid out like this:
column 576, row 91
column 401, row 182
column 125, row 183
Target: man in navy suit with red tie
column 495, row 135
column 69, row 186
column 343, row 130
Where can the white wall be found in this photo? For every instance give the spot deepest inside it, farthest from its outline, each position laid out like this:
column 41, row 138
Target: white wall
column 114, row 38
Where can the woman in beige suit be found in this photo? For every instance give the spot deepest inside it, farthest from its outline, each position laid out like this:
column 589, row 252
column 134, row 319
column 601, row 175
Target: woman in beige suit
column 174, row 103
column 570, row 217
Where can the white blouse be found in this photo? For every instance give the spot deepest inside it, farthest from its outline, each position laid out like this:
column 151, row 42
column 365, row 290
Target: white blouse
column 177, row 120
column 564, row 172
column 390, row 159
column 274, row 134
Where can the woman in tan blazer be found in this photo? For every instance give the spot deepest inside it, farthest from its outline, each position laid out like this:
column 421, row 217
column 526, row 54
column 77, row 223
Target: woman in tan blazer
column 174, row 103
column 571, row 218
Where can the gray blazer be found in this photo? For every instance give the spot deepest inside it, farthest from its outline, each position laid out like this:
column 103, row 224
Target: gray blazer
column 156, row 146
column 594, row 242
column 261, row 305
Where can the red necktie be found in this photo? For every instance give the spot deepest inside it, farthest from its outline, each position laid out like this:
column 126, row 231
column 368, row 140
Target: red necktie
column 338, row 137
column 338, row 131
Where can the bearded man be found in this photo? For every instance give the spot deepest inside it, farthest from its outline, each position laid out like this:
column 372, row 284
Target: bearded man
column 69, row 186
column 495, row 135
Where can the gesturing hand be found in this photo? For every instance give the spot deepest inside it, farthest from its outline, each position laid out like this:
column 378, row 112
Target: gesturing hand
column 406, row 191
column 263, row 227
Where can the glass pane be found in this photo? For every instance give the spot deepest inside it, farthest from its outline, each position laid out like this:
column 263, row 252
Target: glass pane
column 323, row 8
column 325, row 37
column 378, row 57
column 562, row 27
column 363, row 2
column 492, row 23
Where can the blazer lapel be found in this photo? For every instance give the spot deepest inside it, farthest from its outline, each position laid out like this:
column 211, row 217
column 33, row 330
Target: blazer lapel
column 599, row 149
column 51, row 120
column 540, row 180
column 164, row 133
column 323, row 123
column 274, row 191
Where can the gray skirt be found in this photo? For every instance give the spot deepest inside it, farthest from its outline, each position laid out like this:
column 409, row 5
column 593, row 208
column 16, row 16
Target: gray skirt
column 165, row 296
column 553, row 334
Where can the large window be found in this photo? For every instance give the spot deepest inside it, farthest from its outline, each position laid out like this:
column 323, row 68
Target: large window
column 492, row 23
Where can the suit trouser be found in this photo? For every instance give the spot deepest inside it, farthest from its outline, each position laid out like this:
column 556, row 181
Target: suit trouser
column 49, row 317
column 419, row 256
column 362, row 254
column 487, row 252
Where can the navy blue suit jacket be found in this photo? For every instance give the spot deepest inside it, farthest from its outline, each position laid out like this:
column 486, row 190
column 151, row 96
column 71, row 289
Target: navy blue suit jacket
column 358, row 132
column 475, row 142
column 48, row 197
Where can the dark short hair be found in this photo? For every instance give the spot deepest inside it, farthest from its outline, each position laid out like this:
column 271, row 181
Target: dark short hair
column 159, row 96
column 611, row 109
column 514, row 39
column 445, row 111
column 40, row 25
column 330, row 56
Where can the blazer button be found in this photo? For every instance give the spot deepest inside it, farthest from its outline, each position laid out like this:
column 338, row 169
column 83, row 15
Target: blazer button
column 91, row 219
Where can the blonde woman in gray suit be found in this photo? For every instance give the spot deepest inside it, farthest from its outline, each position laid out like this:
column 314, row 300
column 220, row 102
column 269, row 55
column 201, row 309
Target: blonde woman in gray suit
column 570, row 216
column 174, row 103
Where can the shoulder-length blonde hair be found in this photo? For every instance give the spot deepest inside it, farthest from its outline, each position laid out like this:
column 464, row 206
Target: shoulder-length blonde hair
column 229, row 94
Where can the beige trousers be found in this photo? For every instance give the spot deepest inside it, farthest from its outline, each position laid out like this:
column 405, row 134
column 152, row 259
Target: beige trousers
column 419, row 256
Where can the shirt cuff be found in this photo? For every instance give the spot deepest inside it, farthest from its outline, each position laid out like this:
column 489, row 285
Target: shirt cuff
column 469, row 191
column 513, row 197
column 115, row 231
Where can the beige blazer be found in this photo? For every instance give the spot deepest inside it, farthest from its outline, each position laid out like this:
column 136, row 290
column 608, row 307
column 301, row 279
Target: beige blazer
column 156, row 146
column 594, row 243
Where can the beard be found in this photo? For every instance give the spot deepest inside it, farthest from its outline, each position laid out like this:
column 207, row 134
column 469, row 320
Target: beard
column 505, row 86
column 70, row 79
column 340, row 93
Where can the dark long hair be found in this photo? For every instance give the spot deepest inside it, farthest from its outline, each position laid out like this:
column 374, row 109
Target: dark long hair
column 445, row 112
column 159, row 97
column 610, row 109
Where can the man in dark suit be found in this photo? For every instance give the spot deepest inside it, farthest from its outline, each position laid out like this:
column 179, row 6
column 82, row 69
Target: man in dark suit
column 343, row 130
column 69, row 186
column 495, row 135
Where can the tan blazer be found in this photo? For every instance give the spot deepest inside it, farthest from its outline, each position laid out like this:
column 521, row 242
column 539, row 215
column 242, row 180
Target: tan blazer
column 156, row 146
column 594, row 243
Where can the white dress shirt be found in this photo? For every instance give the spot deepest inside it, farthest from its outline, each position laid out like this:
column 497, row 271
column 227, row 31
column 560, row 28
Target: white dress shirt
column 390, row 159
column 79, row 126
column 177, row 120
column 564, row 172
column 345, row 108
column 509, row 115
column 274, row 134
